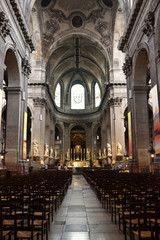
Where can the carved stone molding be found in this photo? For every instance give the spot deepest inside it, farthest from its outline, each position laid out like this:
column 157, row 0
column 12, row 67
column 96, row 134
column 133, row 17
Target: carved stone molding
column 124, row 39
column 38, row 102
column 101, row 27
column 115, row 101
column 4, row 25
column 66, row 124
column 26, row 67
column 51, row 28
column 89, row 124
column 127, row 66
column 148, row 26
column 25, row 32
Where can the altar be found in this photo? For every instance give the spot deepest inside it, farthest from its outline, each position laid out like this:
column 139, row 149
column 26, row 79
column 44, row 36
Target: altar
column 78, row 164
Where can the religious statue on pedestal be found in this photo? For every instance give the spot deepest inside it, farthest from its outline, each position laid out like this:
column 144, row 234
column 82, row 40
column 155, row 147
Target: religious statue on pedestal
column 35, row 148
column 99, row 153
column 46, row 150
column 119, row 149
column 104, row 152
column 109, row 151
column 51, row 152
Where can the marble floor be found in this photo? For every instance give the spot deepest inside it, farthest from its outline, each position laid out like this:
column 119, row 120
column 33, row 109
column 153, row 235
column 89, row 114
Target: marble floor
column 81, row 216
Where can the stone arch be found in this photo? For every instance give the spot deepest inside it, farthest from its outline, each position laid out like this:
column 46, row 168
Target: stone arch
column 140, row 112
column 14, row 112
column 13, row 73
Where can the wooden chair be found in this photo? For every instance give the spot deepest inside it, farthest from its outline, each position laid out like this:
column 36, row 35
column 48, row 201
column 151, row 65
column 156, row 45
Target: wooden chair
column 3, row 233
column 40, row 223
column 144, row 228
column 26, row 229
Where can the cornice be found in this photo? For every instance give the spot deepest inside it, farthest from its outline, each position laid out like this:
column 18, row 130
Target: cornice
column 124, row 39
column 20, row 20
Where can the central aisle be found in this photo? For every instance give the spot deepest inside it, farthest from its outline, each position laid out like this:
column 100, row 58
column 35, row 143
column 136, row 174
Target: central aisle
column 81, row 216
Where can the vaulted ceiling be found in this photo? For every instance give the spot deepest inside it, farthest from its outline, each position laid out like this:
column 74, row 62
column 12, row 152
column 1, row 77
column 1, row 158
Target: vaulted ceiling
column 75, row 37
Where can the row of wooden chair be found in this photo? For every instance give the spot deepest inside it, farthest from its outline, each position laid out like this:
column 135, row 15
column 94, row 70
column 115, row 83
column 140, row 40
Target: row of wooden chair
column 132, row 199
column 27, row 207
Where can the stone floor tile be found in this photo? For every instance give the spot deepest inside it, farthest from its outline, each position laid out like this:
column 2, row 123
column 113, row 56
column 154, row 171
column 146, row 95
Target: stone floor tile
column 81, row 216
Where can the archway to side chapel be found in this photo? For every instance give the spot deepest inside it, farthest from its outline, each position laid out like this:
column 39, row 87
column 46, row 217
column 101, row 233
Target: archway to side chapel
column 140, row 115
column 13, row 140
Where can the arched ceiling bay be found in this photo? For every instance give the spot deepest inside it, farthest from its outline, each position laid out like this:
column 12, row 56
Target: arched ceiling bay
column 75, row 39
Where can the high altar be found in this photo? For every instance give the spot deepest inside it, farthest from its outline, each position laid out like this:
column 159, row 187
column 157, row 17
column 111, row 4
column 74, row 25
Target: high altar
column 78, row 164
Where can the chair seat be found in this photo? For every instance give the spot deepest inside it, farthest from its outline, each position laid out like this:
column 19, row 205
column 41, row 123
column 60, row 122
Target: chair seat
column 143, row 234
column 10, row 222
column 26, row 234
column 134, row 221
column 39, row 222
column 4, row 233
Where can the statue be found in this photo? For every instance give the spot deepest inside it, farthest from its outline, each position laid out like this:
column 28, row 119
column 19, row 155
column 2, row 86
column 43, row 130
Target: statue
column 109, row 152
column 119, row 149
column 104, row 152
column 35, row 148
column 99, row 153
column 51, row 152
column 46, row 150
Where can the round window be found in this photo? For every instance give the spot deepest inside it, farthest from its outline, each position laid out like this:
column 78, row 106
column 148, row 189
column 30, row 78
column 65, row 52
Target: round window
column 77, row 21
column 45, row 3
column 108, row 3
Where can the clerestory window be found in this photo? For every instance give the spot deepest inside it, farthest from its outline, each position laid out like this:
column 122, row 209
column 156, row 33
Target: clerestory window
column 57, row 96
column 77, row 97
column 97, row 95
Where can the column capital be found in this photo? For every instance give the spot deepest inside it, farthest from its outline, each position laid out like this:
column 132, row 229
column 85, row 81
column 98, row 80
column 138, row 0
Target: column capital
column 117, row 101
column 39, row 102
column 127, row 66
column 26, row 67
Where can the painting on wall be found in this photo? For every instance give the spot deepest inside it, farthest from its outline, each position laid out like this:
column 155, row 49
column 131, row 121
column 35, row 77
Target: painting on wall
column 130, row 134
column 155, row 106
column 25, row 137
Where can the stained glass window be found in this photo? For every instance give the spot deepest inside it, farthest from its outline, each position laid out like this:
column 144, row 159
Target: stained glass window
column 97, row 95
column 77, row 97
column 57, row 96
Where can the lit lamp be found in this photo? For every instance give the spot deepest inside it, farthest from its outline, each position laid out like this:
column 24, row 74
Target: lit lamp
column 152, row 157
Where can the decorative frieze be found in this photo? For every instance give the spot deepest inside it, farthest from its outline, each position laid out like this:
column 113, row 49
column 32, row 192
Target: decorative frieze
column 4, row 25
column 115, row 101
column 148, row 26
column 39, row 102
column 26, row 67
column 127, row 66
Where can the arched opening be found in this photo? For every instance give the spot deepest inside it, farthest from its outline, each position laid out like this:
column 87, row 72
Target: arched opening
column 97, row 93
column 140, row 116
column 78, row 144
column 13, row 110
column 57, row 96
column 77, row 97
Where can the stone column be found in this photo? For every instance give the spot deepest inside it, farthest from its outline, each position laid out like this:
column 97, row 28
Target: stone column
column 89, row 136
column 66, row 138
column 14, row 116
column 117, row 126
column 38, row 125
column 141, row 125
